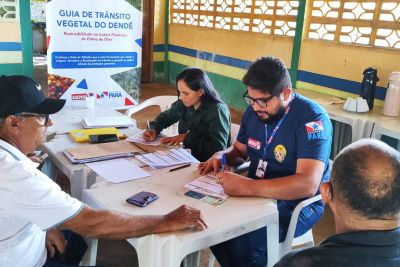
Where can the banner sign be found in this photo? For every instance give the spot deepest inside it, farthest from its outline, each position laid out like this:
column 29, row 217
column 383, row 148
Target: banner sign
column 94, row 49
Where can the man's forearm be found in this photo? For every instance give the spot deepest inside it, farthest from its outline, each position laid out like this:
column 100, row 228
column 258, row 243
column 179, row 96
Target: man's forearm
column 283, row 188
column 113, row 225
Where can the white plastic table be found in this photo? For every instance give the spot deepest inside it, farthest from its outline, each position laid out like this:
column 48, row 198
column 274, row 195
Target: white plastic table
column 69, row 118
column 362, row 124
column 239, row 215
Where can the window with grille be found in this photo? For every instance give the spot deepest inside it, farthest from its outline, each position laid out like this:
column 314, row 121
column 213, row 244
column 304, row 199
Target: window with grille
column 259, row 16
column 9, row 11
column 372, row 23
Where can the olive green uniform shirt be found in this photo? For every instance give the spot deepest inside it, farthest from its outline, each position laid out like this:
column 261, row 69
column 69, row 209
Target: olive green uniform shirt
column 207, row 128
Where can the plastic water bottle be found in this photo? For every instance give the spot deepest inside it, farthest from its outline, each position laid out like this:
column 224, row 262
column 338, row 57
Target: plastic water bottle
column 392, row 99
column 368, row 86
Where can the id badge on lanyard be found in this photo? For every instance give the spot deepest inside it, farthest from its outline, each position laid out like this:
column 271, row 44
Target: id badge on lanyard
column 261, row 168
column 262, row 163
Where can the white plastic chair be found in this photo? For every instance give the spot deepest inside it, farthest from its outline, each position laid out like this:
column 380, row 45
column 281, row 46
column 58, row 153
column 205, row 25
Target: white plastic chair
column 244, row 167
column 306, row 240
column 164, row 102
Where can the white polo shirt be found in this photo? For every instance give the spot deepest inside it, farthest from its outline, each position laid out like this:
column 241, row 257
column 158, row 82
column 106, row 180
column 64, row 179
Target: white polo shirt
column 30, row 203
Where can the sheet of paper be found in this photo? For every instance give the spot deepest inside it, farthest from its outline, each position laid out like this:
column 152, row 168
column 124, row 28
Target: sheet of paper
column 167, row 158
column 207, row 185
column 118, row 170
column 116, row 121
column 183, row 154
column 138, row 138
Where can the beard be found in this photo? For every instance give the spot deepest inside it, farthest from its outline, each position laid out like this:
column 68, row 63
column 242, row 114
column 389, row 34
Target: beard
column 272, row 118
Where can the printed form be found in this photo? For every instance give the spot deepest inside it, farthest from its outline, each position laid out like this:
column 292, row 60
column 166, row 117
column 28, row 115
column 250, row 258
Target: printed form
column 168, row 158
column 207, row 185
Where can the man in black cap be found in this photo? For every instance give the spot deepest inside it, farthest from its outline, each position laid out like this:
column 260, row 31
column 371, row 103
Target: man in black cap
column 33, row 208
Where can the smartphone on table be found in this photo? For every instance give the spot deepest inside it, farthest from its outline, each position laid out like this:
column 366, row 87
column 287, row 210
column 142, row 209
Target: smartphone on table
column 142, row 199
column 102, row 138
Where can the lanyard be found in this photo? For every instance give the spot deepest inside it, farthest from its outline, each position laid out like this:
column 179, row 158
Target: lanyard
column 269, row 141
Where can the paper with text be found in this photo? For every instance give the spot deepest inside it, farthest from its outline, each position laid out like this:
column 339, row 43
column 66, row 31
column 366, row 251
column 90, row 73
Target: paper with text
column 207, row 185
column 138, row 138
column 167, row 158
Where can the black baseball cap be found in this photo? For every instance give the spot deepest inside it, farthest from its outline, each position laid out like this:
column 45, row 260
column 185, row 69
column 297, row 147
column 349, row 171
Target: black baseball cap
column 20, row 93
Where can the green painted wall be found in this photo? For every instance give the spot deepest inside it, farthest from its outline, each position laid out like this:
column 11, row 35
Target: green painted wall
column 26, row 68
column 158, row 72
column 26, row 34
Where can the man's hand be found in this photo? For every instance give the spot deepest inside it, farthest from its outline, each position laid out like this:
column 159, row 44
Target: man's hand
column 149, row 135
column 234, row 184
column 213, row 163
column 34, row 158
column 55, row 241
column 38, row 159
column 185, row 217
column 174, row 140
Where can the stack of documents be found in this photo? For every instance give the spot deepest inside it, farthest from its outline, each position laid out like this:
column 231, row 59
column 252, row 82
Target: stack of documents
column 207, row 185
column 99, row 122
column 97, row 152
column 167, row 158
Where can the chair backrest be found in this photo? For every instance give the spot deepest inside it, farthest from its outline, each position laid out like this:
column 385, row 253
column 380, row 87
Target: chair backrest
column 306, row 239
column 164, row 102
column 234, row 132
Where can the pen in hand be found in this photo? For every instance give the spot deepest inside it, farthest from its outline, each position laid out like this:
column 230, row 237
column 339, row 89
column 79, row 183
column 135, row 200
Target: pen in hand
column 223, row 162
column 180, row 167
column 148, row 125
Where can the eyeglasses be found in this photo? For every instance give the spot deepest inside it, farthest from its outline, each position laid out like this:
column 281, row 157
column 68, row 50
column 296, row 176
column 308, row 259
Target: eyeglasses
column 44, row 118
column 262, row 102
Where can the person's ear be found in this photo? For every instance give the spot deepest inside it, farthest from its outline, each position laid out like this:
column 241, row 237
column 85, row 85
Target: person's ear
column 286, row 92
column 12, row 121
column 200, row 92
column 13, row 124
column 326, row 192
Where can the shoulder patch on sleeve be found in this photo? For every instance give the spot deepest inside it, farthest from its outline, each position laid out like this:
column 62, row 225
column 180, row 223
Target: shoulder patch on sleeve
column 315, row 130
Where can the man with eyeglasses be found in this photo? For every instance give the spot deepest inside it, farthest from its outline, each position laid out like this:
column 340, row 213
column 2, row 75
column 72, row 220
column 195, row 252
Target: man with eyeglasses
column 33, row 208
column 287, row 139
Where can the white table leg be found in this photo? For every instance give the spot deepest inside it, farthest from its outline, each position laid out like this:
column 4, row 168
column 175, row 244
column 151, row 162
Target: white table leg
column 89, row 259
column 336, row 138
column 79, row 183
column 192, row 260
column 273, row 243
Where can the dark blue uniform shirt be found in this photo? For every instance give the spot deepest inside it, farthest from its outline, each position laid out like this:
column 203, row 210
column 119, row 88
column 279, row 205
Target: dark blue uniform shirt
column 306, row 133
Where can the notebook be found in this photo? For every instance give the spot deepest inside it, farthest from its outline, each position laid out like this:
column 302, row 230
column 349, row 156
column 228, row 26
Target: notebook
column 98, row 152
column 99, row 122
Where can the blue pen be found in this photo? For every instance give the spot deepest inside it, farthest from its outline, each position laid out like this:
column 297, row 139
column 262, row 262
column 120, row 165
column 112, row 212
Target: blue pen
column 223, row 162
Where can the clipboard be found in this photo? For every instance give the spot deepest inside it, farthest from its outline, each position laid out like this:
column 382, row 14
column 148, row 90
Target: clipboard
column 82, row 135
